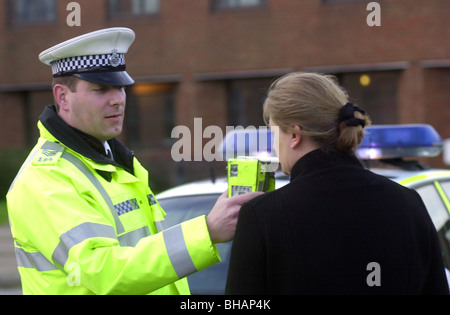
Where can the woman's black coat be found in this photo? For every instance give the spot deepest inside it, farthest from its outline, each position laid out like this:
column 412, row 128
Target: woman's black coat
column 336, row 228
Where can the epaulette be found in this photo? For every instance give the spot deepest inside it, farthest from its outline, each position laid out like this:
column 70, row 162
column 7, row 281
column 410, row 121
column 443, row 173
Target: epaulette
column 48, row 154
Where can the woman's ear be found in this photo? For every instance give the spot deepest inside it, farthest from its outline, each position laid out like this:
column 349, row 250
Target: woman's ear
column 296, row 137
column 60, row 93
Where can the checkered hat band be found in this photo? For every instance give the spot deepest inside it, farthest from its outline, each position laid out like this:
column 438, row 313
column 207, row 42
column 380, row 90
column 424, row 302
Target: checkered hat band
column 86, row 63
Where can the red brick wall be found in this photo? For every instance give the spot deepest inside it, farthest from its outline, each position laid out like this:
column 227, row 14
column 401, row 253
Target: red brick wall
column 437, row 99
column 186, row 39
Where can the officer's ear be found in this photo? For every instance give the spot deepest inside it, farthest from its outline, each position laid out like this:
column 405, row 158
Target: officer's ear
column 61, row 93
column 296, row 137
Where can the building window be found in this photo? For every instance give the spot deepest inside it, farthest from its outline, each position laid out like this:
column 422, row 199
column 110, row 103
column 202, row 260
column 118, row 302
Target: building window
column 218, row 5
column 375, row 92
column 126, row 8
column 32, row 11
column 150, row 115
column 245, row 99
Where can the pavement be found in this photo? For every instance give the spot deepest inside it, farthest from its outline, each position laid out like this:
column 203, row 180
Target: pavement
column 9, row 275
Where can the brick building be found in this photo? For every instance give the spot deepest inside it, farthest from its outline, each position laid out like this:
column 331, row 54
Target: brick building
column 214, row 59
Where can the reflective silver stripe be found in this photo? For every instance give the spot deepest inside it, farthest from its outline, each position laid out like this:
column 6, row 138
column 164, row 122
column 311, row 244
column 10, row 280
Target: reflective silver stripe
column 178, row 252
column 161, row 225
column 72, row 238
column 33, row 260
column 77, row 235
column 85, row 170
column 133, row 237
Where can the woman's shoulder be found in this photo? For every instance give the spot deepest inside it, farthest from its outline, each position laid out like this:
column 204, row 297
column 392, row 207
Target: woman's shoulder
column 269, row 199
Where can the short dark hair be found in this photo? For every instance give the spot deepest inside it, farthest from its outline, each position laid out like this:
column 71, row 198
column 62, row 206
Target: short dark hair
column 69, row 81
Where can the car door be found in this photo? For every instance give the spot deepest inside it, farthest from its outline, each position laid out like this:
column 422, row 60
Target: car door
column 435, row 196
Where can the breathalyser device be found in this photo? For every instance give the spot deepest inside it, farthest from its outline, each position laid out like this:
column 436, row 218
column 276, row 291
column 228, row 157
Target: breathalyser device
column 249, row 174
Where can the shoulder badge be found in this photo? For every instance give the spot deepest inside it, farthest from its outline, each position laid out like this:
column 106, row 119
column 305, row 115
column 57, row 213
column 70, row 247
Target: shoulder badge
column 49, row 154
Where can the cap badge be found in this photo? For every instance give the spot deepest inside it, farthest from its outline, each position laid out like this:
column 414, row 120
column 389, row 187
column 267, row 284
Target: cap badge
column 114, row 60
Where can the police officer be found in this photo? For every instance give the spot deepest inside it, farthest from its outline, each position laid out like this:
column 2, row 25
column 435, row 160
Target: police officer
column 82, row 215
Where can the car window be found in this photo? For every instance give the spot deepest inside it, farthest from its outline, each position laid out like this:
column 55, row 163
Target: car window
column 211, row 280
column 180, row 209
column 446, row 187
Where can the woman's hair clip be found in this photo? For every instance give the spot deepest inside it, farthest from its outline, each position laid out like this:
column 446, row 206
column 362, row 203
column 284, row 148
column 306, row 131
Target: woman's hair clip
column 347, row 115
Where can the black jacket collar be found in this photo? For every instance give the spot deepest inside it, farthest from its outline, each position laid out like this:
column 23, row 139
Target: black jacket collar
column 85, row 144
column 320, row 160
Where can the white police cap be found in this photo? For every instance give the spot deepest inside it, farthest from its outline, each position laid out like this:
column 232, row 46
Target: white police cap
column 96, row 57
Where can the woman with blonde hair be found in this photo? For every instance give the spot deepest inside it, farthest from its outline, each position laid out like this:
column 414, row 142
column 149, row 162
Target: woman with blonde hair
column 336, row 228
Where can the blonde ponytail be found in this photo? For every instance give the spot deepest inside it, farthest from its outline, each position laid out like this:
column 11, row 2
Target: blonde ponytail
column 316, row 103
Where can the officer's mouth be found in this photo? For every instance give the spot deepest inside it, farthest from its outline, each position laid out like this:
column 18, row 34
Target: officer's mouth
column 114, row 117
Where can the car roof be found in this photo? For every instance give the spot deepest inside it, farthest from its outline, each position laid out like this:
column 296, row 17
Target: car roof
column 202, row 187
column 220, row 185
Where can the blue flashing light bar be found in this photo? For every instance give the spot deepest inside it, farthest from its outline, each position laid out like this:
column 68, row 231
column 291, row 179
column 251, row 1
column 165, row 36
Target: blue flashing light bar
column 398, row 141
column 248, row 142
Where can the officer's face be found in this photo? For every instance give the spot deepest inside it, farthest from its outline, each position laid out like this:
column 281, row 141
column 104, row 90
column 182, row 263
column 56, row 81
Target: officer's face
column 95, row 109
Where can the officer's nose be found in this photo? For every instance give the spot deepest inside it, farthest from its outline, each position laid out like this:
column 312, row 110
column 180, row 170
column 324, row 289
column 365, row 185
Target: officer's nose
column 118, row 96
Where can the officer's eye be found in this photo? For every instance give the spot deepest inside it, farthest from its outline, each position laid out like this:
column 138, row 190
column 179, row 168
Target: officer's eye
column 99, row 88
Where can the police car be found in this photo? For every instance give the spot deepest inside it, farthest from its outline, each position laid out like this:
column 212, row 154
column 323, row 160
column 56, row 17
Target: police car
column 384, row 150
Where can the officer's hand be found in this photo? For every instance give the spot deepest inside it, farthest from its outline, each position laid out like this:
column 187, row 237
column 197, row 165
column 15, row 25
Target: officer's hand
column 223, row 217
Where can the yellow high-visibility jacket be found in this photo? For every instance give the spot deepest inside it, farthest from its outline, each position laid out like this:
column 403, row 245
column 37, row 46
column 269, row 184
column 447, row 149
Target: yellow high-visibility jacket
column 75, row 232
